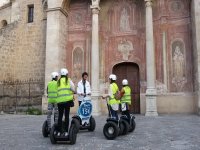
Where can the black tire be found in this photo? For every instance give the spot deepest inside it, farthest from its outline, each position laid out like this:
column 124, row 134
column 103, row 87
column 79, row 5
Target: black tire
column 110, row 135
column 92, row 124
column 76, row 122
column 132, row 125
column 45, row 131
column 121, row 128
column 72, row 134
column 52, row 136
column 126, row 127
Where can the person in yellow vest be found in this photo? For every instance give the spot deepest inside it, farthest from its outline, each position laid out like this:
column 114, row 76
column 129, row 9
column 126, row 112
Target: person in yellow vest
column 65, row 99
column 113, row 102
column 52, row 96
column 125, row 98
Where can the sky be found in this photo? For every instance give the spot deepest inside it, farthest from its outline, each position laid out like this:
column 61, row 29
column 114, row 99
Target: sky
column 3, row 2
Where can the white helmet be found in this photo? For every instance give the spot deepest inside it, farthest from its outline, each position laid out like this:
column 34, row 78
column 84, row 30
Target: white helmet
column 63, row 71
column 124, row 82
column 54, row 75
column 113, row 77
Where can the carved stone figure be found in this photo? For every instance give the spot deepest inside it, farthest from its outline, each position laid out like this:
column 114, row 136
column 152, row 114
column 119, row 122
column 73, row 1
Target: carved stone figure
column 178, row 59
column 125, row 47
column 77, row 64
column 179, row 78
column 124, row 21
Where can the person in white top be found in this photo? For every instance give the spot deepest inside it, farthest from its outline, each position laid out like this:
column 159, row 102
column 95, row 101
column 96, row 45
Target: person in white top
column 83, row 88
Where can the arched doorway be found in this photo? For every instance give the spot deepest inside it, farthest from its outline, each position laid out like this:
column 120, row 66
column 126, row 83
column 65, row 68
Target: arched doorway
column 130, row 71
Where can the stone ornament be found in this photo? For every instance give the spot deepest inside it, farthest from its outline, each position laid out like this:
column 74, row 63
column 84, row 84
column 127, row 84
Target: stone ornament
column 125, row 47
column 178, row 57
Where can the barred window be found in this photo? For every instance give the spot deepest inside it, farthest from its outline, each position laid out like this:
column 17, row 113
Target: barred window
column 30, row 13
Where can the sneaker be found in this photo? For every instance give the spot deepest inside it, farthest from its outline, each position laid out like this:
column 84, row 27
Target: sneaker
column 58, row 134
column 66, row 134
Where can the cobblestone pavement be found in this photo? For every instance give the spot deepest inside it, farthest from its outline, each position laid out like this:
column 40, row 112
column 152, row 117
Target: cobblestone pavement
column 177, row 132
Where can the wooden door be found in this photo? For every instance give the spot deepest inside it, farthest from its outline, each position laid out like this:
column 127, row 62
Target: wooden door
column 130, row 71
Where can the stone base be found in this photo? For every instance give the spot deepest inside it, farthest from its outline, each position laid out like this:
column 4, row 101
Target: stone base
column 151, row 114
column 151, row 105
column 96, row 106
column 2, row 112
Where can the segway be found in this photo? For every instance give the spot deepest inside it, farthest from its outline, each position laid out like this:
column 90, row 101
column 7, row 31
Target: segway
column 114, row 127
column 84, row 120
column 70, row 138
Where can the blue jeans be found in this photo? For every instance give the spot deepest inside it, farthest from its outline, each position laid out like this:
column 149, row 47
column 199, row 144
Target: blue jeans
column 113, row 113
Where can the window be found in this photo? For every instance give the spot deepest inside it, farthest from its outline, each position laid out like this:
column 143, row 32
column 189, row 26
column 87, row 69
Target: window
column 30, row 13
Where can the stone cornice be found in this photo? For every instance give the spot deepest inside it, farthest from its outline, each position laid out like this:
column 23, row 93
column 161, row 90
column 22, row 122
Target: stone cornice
column 58, row 9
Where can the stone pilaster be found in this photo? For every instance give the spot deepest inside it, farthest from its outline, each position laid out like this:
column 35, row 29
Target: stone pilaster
column 56, row 37
column 95, row 58
column 151, row 106
column 196, row 48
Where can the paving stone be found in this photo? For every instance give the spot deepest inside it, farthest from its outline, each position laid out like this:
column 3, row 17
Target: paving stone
column 177, row 132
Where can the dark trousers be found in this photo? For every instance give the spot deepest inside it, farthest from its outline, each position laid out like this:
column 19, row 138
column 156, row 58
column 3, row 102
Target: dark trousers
column 63, row 108
column 79, row 102
column 113, row 113
column 126, row 112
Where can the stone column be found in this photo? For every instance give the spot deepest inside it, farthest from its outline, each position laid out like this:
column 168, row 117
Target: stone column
column 95, row 59
column 196, row 48
column 151, row 107
column 56, row 35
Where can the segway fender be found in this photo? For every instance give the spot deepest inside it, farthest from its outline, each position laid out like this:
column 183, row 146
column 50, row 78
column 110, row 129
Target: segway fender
column 112, row 120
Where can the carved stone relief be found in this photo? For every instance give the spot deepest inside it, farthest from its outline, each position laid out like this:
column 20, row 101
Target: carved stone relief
column 125, row 47
column 178, row 57
column 77, row 18
column 124, row 20
column 77, row 64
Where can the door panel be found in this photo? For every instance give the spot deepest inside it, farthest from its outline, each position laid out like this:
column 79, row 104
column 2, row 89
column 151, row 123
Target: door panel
column 129, row 71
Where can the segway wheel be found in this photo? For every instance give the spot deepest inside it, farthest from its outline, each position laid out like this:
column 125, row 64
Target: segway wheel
column 133, row 125
column 126, row 127
column 110, row 130
column 121, row 128
column 76, row 122
column 52, row 134
column 72, row 134
column 92, row 124
column 45, row 131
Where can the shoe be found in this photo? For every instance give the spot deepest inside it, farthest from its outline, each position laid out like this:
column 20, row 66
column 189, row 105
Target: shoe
column 58, row 134
column 65, row 133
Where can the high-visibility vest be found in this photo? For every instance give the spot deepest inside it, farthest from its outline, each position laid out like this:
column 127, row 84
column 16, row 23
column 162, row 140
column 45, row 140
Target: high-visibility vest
column 65, row 93
column 52, row 91
column 112, row 99
column 127, row 95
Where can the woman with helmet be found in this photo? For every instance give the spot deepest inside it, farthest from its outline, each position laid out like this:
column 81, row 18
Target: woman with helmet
column 65, row 99
column 125, row 98
column 113, row 100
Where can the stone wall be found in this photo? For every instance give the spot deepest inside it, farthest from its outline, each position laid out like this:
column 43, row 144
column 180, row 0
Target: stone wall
column 22, row 44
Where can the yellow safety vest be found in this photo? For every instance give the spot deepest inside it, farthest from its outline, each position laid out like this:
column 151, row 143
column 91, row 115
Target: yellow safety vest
column 127, row 95
column 65, row 93
column 52, row 91
column 112, row 99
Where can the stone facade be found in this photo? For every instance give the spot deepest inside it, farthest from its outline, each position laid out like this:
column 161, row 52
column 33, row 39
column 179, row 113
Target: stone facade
column 123, row 43
column 22, row 47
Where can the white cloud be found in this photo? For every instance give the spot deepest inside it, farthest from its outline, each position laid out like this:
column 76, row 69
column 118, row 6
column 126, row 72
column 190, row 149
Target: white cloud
column 2, row 2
